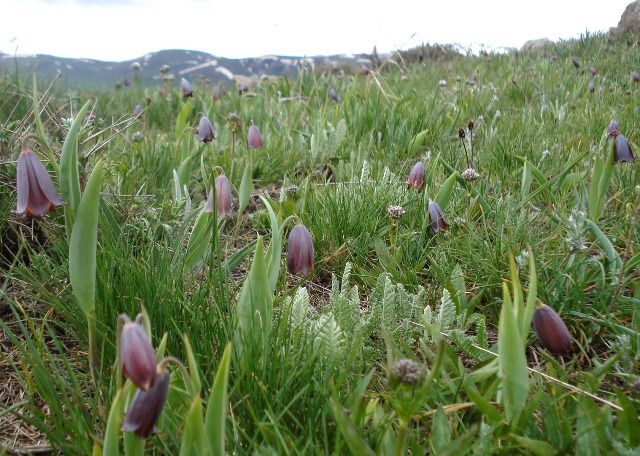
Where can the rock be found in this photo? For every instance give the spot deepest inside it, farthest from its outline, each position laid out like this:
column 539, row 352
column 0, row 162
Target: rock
column 630, row 20
column 538, row 44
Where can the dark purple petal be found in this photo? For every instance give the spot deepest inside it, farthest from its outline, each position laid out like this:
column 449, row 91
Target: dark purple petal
column 436, row 217
column 44, row 180
column 333, row 95
column 209, row 207
column 613, row 129
column 22, row 178
column 622, row 150
column 138, row 357
column 300, row 253
column 187, row 91
column 223, row 195
column 416, row 177
column 146, row 406
column 138, row 110
column 254, row 138
column 205, row 130
column 551, row 330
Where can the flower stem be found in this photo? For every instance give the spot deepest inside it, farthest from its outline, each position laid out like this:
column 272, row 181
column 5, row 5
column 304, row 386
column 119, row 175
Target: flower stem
column 402, row 437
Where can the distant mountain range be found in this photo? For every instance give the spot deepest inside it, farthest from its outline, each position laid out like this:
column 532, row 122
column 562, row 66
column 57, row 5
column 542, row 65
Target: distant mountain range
column 175, row 63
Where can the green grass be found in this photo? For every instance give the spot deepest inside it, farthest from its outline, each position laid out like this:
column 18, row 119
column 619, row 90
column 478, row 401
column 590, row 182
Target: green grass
column 319, row 382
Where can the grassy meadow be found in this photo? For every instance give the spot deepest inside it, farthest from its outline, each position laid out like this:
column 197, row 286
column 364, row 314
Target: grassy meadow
column 402, row 339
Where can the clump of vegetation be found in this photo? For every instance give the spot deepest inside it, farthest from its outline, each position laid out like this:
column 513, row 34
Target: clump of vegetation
column 462, row 260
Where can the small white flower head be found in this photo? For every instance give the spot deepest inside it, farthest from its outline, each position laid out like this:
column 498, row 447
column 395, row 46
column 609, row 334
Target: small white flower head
column 460, row 221
column 406, row 371
column 396, row 212
column 135, row 66
column 136, row 137
column 292, row 190
column 470, row 174
column 442, row 83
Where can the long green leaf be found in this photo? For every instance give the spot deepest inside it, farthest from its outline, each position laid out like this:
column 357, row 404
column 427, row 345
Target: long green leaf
column 354, row 440
column 254, row 309
column 274, row 252
column 513, row 363
column 216, row 416
column 111, row 445
column 444, row 194
column 83, row 243
column 69, row 177
column 194, row 440
column 613, row 259
column 194, row 371
column 40, row 128
column 246, row 185
column 199, row 240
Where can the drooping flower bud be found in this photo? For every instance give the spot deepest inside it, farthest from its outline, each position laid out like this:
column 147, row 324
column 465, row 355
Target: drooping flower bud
column 333, row 95
column 300, row 254
column 138, row 357
column 436, row 217
column 575, row 62
column 36, row 192
column 614, row 129
column 254, row 139
column 551, row 330
column 187, row 90
column 223, row 197
column 138, row 110
column 416, row 177
column 146, row 406
column 205, row 130
column 622, row 150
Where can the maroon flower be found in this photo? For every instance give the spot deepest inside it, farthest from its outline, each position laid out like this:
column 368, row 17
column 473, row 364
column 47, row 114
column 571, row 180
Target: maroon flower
column 622, row 150
column 575, row 62
column 333, row 95
column 300, row 253
column 138, row 110
column 364, row 71
column 216, row 93
column 593, row 71
column 138, row 357
column 592, row 87
column 205, row 130
column 223, row 197
column 416, row 177
column 146, row 406
column 36, row 192
column 613, row 129
column 436, row 217
column 187, row 90
column 635, row 77
column 254, row 139
column 551, row 330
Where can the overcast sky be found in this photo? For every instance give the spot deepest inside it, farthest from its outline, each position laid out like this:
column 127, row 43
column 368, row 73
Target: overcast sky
column 127, row 29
